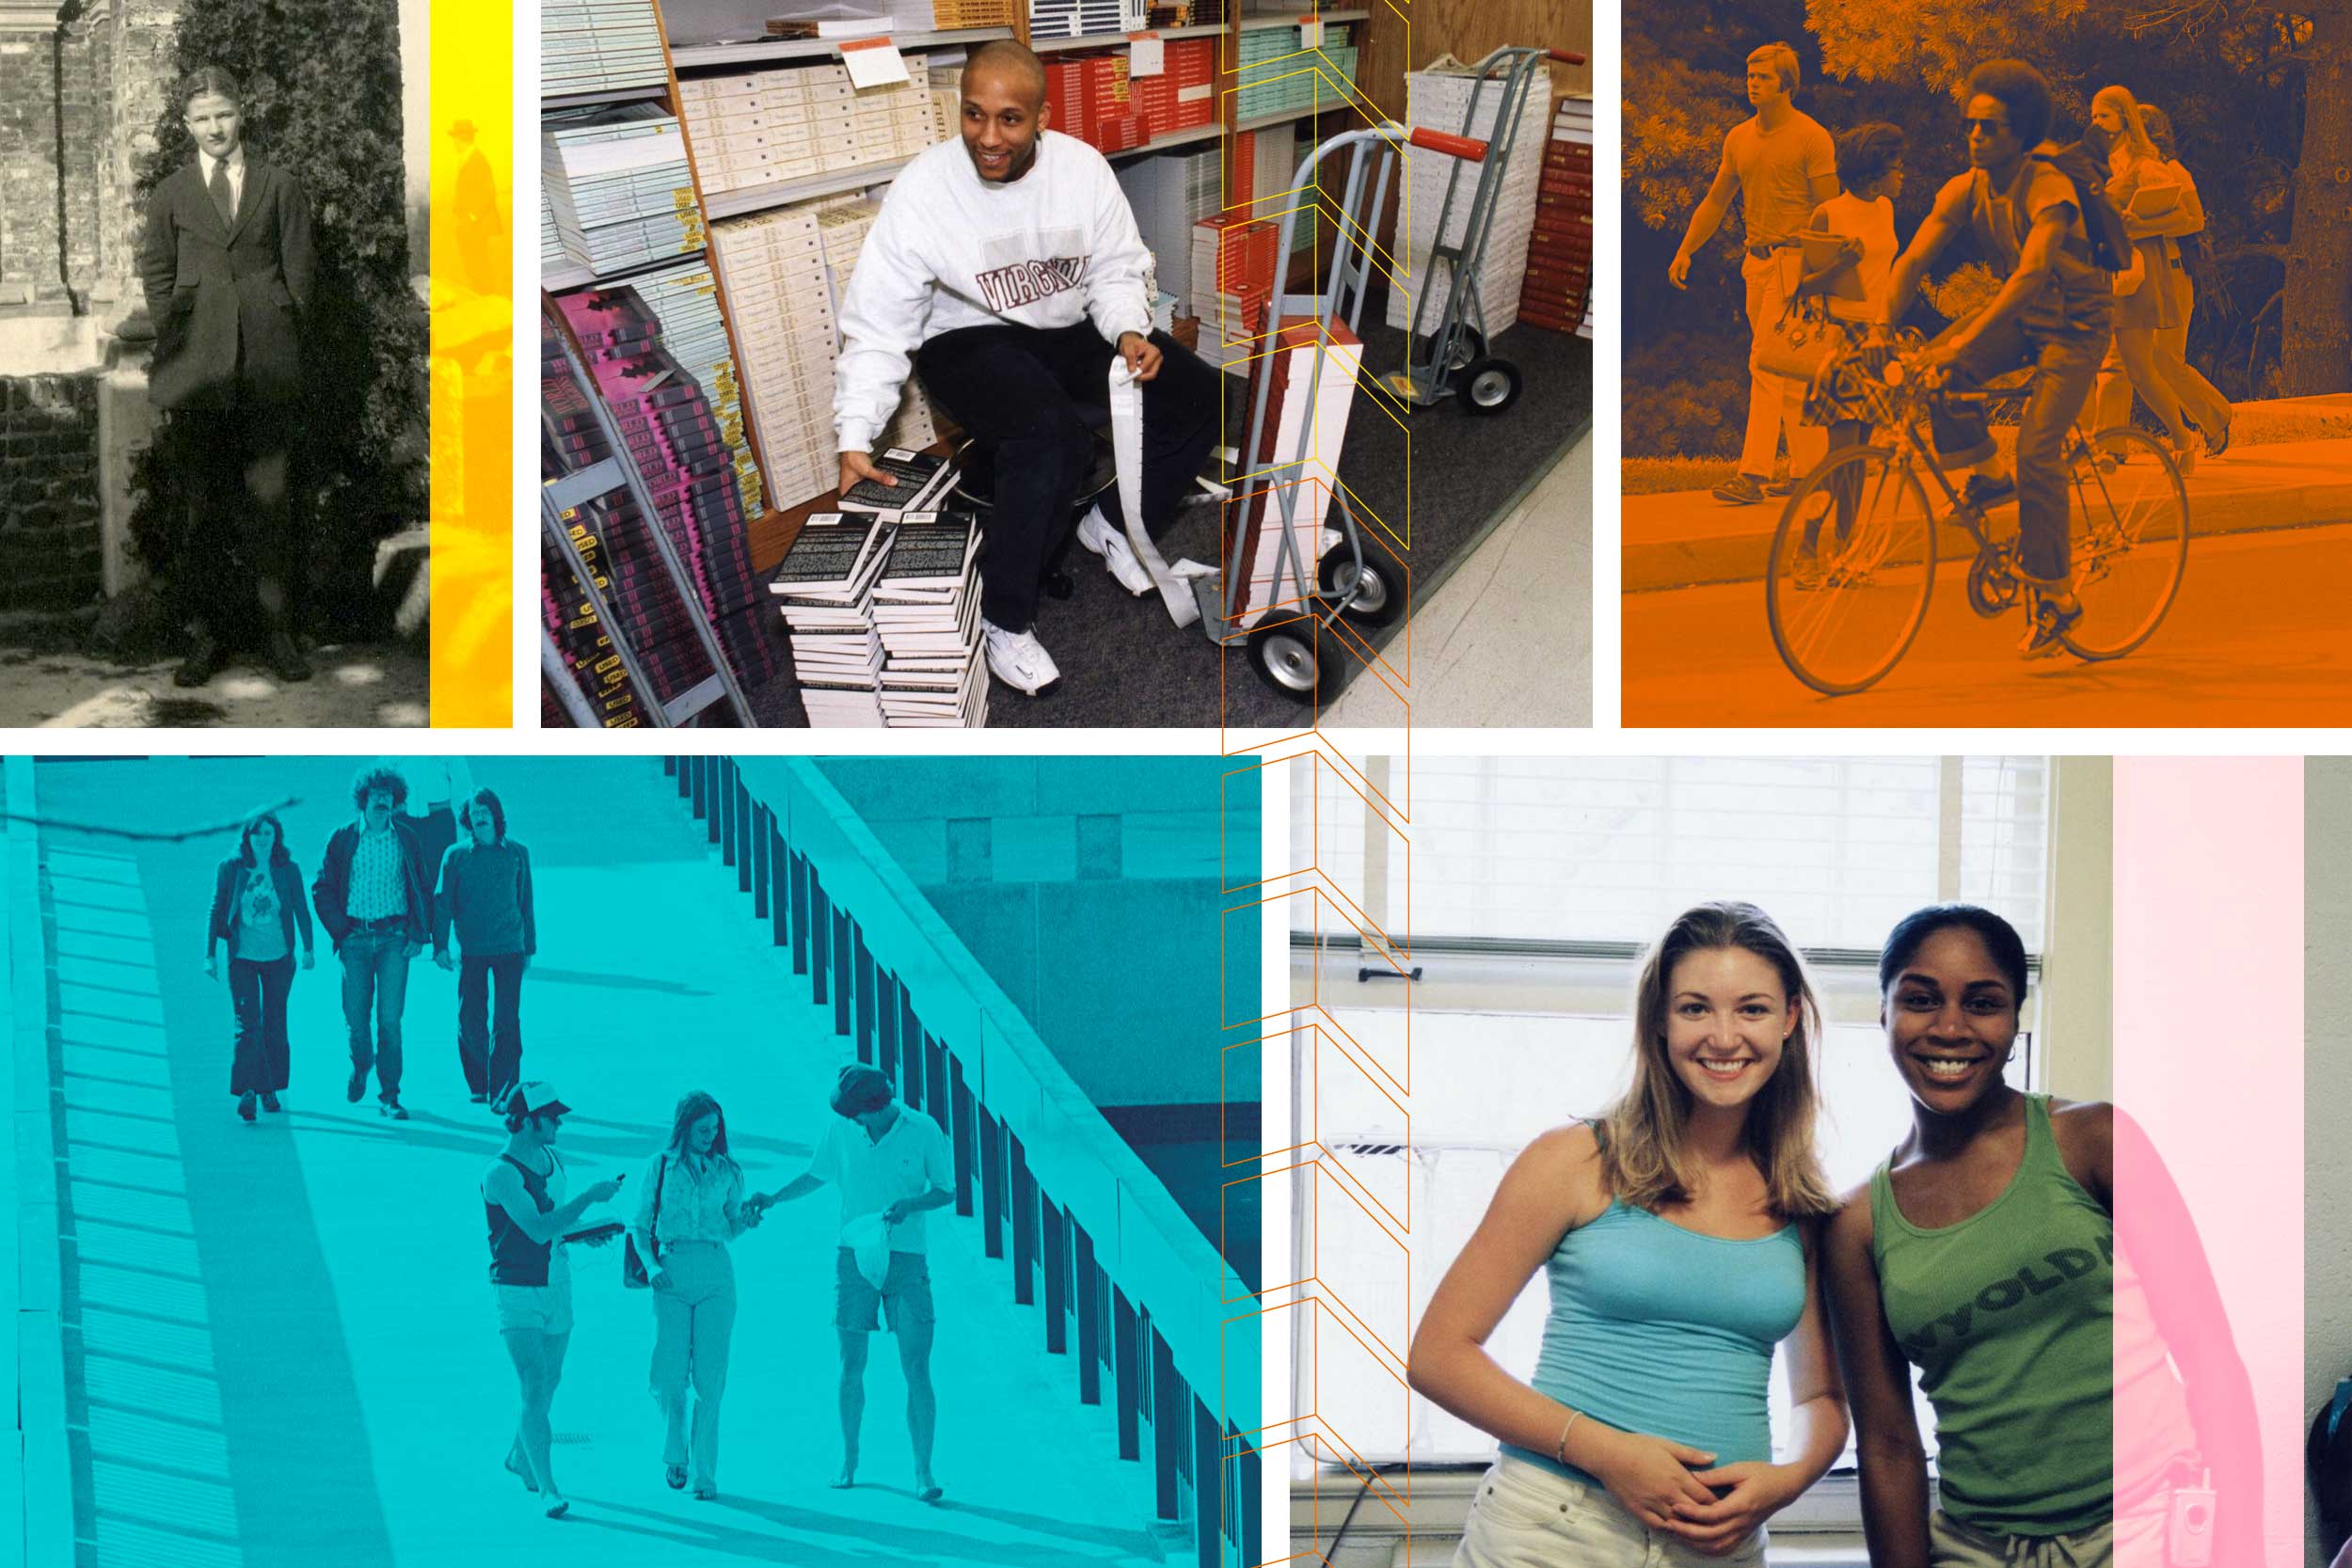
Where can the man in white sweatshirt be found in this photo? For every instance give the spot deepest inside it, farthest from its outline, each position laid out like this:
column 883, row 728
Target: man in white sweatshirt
column 1004, row 268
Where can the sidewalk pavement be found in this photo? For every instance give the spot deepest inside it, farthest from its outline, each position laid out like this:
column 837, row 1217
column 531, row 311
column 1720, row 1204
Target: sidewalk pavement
column 287, row 1340
column 356, row 685
column 1683, row 537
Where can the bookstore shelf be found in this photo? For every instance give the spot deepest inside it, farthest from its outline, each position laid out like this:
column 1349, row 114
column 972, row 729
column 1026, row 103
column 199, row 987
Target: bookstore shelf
column 1292, row 19
column 691, row 55
column 612, row 95
column 1112, row 40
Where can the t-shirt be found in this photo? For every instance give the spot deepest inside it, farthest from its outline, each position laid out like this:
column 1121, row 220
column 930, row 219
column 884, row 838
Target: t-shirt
column 1873, row 223
column 1776, row 171
column 261, row 917
column 2077, row 293
column 907, row 1161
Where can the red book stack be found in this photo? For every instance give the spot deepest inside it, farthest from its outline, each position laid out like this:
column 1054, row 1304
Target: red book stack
column 1560, row 256
column 1112, row 123
column 1066, row 94
column 1182, row 95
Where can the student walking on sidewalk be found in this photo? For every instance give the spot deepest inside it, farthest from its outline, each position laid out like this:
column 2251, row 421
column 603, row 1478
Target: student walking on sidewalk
column 690, row 1207
column 522, row 1192
column 376, row 899
column 257, row 910
column 485, row 895
column 891, row 1164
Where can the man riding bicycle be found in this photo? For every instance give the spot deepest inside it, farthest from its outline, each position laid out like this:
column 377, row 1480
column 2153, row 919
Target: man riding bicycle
column 2054, row 312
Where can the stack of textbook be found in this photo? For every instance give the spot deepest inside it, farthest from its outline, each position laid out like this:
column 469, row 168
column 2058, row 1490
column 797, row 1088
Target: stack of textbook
column 598, row 46
column 825, row 587
column 926, row 611
column 617, row 183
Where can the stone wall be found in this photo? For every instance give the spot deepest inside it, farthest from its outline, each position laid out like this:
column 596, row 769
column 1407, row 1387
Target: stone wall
column 50, row 552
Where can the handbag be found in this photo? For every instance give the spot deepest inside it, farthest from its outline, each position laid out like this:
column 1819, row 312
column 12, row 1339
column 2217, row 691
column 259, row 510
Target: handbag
column 633, row 1274
column 1797, row 346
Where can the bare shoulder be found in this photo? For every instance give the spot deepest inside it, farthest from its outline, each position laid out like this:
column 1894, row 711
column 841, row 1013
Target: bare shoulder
column 1847, row 1233
column 2085, row 1130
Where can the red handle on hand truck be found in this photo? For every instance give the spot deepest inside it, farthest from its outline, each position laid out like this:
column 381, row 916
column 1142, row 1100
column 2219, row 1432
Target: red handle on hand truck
column 1451, row 145
column 1565, row 56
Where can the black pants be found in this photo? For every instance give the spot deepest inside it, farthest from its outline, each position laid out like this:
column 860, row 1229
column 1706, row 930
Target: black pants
column 1024, row 388
column 234, row 465
column 490, row 1039
column 259, row 991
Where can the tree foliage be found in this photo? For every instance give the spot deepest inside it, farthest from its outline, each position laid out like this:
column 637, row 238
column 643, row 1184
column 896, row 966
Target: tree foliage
column 322, row 80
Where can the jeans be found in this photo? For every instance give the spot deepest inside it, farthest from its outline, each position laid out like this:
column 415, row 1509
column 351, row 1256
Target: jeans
column 259, row 991
column 2065, row 363
column 2135, row 1538
column 375, row 978
column 693, row 1321
column 1527, row 1516
column 1774, row 401
column 490, row 1041
column 1024, row 388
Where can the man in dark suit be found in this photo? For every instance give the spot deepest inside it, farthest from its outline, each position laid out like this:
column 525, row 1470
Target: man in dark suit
column 226, row 263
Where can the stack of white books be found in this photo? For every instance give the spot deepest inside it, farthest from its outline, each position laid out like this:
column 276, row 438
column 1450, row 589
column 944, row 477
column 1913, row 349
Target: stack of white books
column 1050, row 19
column 685, row 298
column 1169, row 192
column 789, row 122
column 598, row 46
column 825, row 588
column 1438, row 100
column 616, row 184
column 926, row 612
column 774, row 269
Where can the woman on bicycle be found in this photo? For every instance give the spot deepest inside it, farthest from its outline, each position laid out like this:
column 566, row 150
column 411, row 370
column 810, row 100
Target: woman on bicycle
column 1870, row 162
column 1677, row 1234
column 2147, row 306
column 1985, row 1251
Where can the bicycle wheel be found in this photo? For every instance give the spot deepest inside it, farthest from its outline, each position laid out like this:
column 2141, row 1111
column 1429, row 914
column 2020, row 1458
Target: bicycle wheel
column 1875, row 551
column 2128, row 522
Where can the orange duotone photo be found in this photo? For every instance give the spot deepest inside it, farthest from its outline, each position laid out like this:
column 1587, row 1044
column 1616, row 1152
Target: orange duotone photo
column 255, row 353
column 2002, row 379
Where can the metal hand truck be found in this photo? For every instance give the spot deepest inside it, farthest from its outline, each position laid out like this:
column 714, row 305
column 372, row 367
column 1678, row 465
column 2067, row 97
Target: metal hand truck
column 1283, row 635
column 1452, row 358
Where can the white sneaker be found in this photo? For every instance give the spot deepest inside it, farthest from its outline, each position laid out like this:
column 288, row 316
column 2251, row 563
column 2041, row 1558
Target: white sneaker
column 1018, row 659
column 1096, row 533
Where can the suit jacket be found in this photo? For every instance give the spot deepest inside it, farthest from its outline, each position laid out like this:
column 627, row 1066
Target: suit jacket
column 290, row 907
column 331, row 889
column 227, row 300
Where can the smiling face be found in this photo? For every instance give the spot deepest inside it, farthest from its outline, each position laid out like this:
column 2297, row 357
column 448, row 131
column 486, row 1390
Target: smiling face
column 261, row 841
column 215, row 122
column 703, row 1133
column 1728, row 1016
column 1004, row 115
column 1951, row 1020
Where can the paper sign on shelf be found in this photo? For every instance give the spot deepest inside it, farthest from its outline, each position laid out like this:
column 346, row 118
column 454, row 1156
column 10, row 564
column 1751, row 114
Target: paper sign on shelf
column 1310, row 31
column 873, row 62
column 1146, row 55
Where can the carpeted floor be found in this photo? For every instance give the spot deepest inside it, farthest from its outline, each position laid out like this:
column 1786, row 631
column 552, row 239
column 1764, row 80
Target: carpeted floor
column 1124, row 665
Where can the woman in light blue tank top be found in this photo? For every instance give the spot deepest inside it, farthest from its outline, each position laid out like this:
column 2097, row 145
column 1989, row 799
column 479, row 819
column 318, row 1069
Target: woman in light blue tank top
column 1675, row 1234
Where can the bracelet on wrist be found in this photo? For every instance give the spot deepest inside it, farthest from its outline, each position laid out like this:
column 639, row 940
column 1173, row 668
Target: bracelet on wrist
column 1559, row 1449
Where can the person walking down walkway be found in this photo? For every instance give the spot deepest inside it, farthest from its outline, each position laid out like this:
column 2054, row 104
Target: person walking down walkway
column 892, row 1164
column 485, row 895
column 689, row 1207
column 257, row 910
column 1782, row 165
column 523, row 1193
column 375, row 900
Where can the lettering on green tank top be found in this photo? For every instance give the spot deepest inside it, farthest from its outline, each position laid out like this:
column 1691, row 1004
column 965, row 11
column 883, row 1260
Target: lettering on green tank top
column 2055, row 1271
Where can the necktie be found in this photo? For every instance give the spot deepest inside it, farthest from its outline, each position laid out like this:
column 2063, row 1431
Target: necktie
column 223, row 202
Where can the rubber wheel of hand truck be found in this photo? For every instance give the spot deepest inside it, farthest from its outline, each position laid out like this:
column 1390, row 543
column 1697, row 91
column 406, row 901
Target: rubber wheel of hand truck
column 1293, row 660
column 1488, row 386
column 1380, row 597
column 1468, row 349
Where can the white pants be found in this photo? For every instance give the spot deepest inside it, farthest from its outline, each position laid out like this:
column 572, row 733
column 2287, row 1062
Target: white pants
column 1775, row 402
column 1526, row 1517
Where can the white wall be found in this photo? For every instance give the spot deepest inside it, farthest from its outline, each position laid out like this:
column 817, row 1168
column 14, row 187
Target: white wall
column 2326, row 1102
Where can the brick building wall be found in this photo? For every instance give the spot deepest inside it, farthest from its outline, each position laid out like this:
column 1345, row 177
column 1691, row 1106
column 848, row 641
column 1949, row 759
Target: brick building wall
column 50, row 555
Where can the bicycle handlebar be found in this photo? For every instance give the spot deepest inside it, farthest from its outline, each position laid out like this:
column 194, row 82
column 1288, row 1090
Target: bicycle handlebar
column 1467, row 148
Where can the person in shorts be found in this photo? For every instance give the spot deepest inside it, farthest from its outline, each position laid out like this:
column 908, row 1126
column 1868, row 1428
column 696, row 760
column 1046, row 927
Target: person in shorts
column 523, row 1193
column 891, row 1164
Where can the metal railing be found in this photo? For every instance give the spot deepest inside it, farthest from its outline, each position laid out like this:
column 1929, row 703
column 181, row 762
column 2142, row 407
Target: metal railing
column 1125, row 1282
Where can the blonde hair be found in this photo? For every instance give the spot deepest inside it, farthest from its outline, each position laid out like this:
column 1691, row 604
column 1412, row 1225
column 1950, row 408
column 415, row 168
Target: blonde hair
column 2135, row 135
column 1641, row 1152
column 1783, row 59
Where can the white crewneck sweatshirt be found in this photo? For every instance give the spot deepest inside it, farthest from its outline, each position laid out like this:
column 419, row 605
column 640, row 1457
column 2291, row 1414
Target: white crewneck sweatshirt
column 952, row 250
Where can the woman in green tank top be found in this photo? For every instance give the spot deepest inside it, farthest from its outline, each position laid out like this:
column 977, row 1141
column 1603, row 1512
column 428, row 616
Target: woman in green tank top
column 1985, row 1252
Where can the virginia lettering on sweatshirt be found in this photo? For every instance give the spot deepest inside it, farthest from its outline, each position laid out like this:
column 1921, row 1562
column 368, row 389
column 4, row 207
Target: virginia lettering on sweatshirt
column 951, row 251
